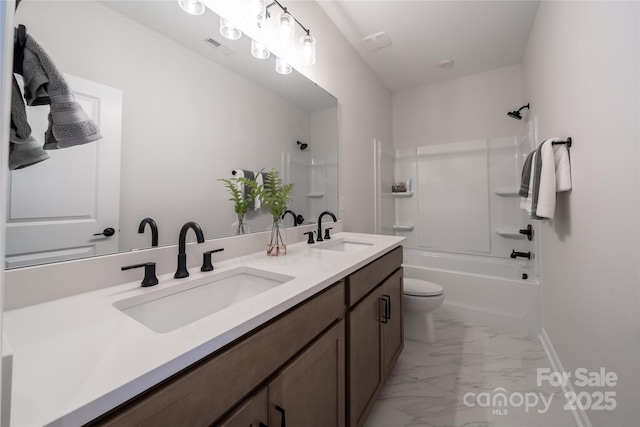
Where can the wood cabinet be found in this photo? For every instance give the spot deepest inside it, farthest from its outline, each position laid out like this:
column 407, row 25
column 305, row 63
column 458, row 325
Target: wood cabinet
column 308, row 392
column 375, row 337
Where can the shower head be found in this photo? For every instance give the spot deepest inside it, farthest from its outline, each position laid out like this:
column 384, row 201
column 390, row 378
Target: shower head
column 516, row 114
column 302, row 145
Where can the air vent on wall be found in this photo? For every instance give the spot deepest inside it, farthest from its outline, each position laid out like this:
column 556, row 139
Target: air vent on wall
column 377, row 41
column 225, row 50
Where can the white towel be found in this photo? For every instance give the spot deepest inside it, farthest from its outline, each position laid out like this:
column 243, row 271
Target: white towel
column 257, row 204
column 239, row 173
column 555, row 176
column 526, row 202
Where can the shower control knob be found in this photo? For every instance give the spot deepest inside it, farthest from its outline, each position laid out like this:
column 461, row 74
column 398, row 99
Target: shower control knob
column 107, row 232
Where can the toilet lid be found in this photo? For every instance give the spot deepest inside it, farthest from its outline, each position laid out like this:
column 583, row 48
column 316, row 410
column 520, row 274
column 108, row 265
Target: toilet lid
column 421, row 288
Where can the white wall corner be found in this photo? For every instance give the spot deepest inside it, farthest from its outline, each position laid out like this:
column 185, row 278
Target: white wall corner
column 579, row 415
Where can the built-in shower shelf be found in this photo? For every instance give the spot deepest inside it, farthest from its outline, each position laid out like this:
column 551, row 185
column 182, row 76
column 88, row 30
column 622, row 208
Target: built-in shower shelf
column 509, row 233
column 315, row 195
column 402, row 194
column 507, row 192
column 403, row 227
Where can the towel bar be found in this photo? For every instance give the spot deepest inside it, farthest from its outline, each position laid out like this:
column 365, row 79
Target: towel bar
column 567, row 142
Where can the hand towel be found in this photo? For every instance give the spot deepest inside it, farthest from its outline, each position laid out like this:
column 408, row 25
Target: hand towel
column 260, row 181
column 239, row 173
column 247, row 189
column 24, row 149
column 44, row 84
column 526, row 202
column 554, row 161
column 526, row 176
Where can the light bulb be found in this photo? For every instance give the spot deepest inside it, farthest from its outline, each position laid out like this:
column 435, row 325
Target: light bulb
column 308, row 49
column 283, row 66
column 258, row 50
column 194, row 7
column 287, row 26
column 229, row 30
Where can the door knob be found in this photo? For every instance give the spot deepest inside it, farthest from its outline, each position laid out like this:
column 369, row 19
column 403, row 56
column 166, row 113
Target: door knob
column 107, row 232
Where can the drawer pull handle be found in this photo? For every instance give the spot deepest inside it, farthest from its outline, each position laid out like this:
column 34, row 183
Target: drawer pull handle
column 385, row 319
column 281, row 410
column 388, row 298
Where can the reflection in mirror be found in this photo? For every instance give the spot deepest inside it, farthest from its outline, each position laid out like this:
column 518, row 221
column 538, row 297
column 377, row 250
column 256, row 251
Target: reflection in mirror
column 177, row 112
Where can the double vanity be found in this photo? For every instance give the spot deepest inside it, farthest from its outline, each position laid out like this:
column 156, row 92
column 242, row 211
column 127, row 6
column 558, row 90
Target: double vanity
column 308, row 338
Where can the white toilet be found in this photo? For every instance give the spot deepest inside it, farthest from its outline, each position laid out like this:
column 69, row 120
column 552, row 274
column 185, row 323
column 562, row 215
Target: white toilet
column 420, row 299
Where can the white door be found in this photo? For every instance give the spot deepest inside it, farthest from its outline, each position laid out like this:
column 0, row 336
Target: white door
column 56, row 207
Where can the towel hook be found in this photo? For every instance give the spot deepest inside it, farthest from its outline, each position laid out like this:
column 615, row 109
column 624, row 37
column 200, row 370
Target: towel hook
column 567, row 142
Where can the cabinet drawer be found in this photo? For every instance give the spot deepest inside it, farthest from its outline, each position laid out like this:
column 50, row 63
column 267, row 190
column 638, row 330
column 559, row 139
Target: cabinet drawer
column 204, row 392
column 368, row 277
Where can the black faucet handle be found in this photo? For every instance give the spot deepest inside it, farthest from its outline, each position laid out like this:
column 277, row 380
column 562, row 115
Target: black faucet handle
column 326, row 233
column 299, row 220
column 150, row 278
column 206, row 260
column 310, row 240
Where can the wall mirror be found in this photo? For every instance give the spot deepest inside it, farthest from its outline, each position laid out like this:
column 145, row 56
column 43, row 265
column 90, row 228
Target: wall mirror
column 179, row 107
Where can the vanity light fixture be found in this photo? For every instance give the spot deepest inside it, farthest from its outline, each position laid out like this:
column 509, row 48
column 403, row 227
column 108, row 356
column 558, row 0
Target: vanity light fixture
column 283, row 67
column 287, row 26
column 258, row 50
column 307, row 44
column 229, row 30
column 308, row 49
column 193, row 7
column 257, row 12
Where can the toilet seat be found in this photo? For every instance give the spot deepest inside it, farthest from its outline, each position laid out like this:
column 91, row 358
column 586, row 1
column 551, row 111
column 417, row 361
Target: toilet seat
column 421, row 288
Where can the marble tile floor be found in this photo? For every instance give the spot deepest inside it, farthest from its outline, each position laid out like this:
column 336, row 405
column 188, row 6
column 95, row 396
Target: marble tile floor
column 436, row 385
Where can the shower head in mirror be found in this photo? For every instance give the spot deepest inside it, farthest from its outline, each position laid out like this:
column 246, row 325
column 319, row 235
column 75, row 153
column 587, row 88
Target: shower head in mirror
column 302, row 145
column 516, row 114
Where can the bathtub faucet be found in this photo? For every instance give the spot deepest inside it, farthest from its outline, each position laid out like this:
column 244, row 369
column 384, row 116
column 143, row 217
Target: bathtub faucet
column 515, row 254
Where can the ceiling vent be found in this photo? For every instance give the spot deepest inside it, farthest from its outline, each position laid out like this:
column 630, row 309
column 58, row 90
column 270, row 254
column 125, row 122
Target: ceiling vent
column 225, row 50
column 377, row 41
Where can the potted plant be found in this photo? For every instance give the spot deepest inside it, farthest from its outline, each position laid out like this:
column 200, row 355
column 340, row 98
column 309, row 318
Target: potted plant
column 274, row 197
column 241, row 199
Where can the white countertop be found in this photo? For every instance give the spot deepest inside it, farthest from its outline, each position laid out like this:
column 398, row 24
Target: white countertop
column 77, row 357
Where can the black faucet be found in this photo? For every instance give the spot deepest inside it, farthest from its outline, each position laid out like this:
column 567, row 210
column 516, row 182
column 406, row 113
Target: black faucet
column 319, row 237
column 182, row 248
column 154, row 230
column 150, row 278
column 293, row 214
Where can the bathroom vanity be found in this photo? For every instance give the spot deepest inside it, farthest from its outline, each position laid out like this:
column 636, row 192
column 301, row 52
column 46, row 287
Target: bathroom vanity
column 313, row 350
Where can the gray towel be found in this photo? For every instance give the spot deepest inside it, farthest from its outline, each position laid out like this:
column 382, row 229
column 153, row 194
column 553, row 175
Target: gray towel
column 44, row 84
column 24, row 149
column 537, row 168
column 526, row 176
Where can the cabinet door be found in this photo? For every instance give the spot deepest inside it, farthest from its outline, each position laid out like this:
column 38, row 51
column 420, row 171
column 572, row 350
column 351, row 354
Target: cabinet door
column 310, row 391
column 392, row 331
column 254, row 412
column 364, row 377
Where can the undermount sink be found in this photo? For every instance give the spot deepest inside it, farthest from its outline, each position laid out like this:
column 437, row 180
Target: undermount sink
column 168, row 309
column 343, row 245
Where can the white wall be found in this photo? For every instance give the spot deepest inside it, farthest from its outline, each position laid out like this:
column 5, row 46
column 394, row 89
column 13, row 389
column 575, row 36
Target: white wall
column 464, row 109
column 581, row 74
column 186, row 120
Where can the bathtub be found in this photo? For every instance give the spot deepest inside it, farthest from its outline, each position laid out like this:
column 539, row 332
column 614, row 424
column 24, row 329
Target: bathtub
column 485, row 289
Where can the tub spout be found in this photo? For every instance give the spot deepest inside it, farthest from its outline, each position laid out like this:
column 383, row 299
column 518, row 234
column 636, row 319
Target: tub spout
column 515, row 254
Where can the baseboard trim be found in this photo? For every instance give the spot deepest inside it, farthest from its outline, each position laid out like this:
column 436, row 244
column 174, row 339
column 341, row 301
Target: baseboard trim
column 579, row 415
